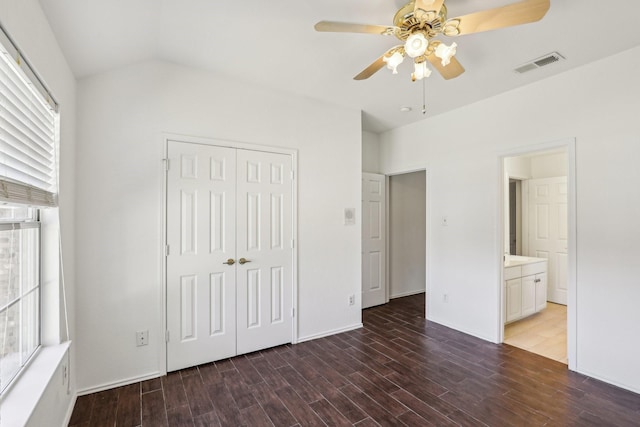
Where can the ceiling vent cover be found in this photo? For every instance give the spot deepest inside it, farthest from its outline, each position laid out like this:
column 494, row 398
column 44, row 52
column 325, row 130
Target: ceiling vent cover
column 540, row 62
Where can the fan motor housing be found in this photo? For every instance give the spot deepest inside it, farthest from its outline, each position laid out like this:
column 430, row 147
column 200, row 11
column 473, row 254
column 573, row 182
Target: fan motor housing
column 428, row 22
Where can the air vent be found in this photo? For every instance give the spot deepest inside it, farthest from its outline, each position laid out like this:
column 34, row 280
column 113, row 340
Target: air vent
column 540, row 62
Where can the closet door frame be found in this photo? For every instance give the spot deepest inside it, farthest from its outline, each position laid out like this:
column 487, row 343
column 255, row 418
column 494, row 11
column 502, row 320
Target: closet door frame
column 162, row 292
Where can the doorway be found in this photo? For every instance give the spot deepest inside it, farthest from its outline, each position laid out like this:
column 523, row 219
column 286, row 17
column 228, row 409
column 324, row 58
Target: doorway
column 394, row 223
column 536, row 244
column 407, row 234
column 229, row 254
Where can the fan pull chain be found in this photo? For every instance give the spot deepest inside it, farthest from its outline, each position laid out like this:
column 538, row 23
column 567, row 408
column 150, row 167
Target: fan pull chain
column 424, row 95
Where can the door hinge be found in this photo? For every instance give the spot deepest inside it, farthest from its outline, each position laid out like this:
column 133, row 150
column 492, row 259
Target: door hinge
column 166, row 336
column 166, row 250
column 293, row 312
column 293, row 244
column 166, row 164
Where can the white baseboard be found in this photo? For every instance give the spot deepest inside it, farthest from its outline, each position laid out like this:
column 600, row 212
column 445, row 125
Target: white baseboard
column 67, row 418
column 609, row 381
column 407, row 294
column 128, row 381
column 463, row 330
column 328, row 333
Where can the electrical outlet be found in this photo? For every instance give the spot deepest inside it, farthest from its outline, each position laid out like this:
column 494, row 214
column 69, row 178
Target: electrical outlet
column 142, row 338
column 445, row 298
column 352, row 299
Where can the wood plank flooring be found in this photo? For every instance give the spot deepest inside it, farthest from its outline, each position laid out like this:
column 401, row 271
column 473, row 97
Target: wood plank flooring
column 398, row 370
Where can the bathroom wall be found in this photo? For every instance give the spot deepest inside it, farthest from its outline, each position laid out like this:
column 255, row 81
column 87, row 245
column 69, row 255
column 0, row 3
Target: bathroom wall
column 548, row 165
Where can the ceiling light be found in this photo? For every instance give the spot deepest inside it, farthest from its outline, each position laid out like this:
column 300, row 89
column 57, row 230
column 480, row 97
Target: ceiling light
column 421, row 71
column 416, row 45
column 405, row 109
column 445, row 52
column 393, row 61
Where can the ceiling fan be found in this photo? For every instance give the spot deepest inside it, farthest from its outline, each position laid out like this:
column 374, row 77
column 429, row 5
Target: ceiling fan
column 418, row 23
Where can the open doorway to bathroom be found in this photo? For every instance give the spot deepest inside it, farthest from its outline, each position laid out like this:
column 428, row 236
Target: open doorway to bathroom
column 536, row 252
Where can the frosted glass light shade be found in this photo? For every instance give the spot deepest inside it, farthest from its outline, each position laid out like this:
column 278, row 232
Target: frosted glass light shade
column 445, row 52
column 393, row 61
column 421, row 71
column 416, row 45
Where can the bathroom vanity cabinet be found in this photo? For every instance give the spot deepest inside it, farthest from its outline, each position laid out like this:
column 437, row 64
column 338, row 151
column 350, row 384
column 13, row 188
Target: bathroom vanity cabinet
column 525, row 287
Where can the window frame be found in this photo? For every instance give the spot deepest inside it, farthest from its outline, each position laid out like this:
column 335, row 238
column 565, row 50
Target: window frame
column 29, row 222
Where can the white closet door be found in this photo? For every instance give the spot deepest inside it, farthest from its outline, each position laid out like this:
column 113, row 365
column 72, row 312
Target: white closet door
column 201, row 294
column 548, row 232
column 373, row 240
column 264, row 239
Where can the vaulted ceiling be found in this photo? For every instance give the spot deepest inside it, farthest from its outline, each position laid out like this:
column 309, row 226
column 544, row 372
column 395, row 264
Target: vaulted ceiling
column 273, row 44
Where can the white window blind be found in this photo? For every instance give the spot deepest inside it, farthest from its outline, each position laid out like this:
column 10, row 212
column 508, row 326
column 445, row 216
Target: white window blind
column 28, row 132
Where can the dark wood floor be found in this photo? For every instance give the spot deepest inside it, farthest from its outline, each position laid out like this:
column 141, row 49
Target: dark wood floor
column 398, row 370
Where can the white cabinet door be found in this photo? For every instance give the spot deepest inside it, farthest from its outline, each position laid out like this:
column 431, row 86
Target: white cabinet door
column 227, row 204
column 201, row 294
column 541, row 291
column 265, row 283
column 528, row 296
column 373, row 240
column 513, row 299
column 548, row 231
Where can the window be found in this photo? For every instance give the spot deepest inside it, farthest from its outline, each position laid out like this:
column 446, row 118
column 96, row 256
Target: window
column 28, row 135
column 19, row 289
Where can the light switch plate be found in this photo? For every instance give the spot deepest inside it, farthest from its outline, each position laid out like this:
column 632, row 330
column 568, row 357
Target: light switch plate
column 350, row 216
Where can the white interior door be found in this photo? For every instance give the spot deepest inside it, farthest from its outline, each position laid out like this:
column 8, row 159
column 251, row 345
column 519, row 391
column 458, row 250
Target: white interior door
column 229, row 264
column 373, row 240
column 264, row 239
column 548, row 232
column 201, row 289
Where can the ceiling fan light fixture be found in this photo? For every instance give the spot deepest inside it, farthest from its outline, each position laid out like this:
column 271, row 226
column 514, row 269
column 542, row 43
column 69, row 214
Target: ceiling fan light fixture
column 393, row 61
column 421, row 71
column 445, row 52
column 416, row 45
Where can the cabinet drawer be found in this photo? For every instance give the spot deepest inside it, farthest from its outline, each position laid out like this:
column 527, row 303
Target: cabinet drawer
column 535, row 268
column 512, row 272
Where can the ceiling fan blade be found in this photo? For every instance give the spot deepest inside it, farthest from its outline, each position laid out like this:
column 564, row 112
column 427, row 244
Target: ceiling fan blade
column 452, row 70
column 518, row 13
column 376, row 65
column 344, row 27
column 371, row 69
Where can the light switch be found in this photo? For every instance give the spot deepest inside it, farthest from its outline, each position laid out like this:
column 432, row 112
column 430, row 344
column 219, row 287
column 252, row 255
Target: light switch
column 350, row 216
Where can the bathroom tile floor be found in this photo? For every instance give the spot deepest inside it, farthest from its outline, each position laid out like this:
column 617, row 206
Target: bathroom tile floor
column 544, row 333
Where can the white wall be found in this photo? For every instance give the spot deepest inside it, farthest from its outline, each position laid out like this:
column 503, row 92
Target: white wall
column 518, row 167
column 601, row 113
column 27, row 25
column 549, row 165
column 407, row 234
column 370, row 152
column 122, row 115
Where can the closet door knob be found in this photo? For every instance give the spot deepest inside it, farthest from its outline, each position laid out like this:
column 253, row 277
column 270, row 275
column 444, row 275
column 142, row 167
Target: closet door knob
column 243, row 261
column 230, row 261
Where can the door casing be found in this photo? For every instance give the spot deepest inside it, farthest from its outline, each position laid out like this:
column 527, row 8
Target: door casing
column 165, row 138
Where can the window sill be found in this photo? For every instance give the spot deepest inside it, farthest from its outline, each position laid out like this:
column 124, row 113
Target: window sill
column 20, row 400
